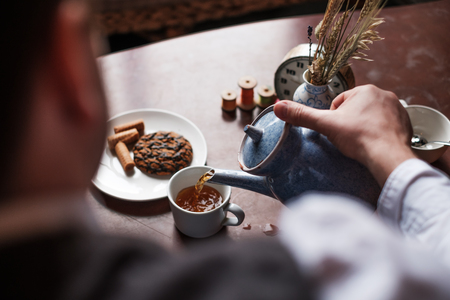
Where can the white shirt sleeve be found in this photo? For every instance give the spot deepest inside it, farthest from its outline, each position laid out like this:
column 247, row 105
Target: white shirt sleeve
column 349, row 253
column 416, row 200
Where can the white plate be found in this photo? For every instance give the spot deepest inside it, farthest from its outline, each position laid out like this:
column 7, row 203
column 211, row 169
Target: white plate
column 138, row 186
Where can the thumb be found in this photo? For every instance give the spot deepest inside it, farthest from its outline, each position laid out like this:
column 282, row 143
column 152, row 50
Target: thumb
column 301, row 115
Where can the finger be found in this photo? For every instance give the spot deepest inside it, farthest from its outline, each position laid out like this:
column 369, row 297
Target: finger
column 341, row 98
column 301, row 115
column 337, row 101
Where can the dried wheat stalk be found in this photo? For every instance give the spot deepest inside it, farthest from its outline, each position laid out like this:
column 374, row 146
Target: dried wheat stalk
column 336, row 45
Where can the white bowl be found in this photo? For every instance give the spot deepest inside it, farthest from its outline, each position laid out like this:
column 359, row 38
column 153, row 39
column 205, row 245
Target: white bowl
column 432, row 125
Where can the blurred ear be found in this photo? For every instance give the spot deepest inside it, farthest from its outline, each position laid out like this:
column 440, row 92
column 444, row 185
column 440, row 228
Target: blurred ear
column 73, row 63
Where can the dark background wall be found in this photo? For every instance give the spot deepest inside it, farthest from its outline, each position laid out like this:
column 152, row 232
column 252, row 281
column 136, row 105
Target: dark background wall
column 132, row 38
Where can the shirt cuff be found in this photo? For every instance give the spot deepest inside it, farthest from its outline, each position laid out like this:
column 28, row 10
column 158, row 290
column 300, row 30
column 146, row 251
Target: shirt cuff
column 390, row 202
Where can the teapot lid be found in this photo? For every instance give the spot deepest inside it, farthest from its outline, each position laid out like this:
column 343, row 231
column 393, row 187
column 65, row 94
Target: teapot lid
column 262, row 141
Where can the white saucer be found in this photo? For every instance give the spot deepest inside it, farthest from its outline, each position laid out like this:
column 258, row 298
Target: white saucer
column 137, row 186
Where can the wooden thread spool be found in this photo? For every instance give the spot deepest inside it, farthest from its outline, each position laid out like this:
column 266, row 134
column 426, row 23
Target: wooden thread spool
column 266, row 96
column 246, row 100
column 228, row 100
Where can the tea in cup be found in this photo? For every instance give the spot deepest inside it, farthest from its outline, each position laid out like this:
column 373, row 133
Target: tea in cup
column 206, row 215
column 208, row 199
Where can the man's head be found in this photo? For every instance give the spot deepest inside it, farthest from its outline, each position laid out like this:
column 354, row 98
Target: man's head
column 53, row 109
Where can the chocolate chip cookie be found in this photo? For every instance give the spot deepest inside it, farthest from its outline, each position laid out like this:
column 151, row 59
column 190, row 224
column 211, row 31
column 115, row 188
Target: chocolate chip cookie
column 162, row 153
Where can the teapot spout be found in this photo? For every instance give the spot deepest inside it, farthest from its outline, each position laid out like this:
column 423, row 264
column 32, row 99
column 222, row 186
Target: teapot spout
column 242, row 180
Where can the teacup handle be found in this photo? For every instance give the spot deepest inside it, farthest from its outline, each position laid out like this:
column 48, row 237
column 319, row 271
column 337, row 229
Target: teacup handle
column 235, row 210
column 403, row 102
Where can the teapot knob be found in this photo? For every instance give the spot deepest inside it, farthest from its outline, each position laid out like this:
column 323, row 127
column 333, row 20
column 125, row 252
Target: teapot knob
column 253, row 132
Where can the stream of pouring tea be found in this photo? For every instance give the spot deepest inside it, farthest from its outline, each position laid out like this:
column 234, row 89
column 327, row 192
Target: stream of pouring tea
column 204, row 178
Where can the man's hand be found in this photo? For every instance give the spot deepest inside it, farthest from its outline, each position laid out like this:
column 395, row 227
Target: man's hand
column 366, row 123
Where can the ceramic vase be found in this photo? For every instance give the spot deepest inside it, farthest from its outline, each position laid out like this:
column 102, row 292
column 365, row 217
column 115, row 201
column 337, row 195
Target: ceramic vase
column 317, row 96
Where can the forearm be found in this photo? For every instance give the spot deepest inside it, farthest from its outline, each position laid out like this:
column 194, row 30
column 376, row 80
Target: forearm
column 382, row 163
column 348, row 253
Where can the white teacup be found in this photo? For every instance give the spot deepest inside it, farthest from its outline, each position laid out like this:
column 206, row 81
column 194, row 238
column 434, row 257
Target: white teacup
column 201, row 224
column 433, row 126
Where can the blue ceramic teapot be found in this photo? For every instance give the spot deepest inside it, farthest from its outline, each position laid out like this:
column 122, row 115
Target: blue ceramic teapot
column 283, row 161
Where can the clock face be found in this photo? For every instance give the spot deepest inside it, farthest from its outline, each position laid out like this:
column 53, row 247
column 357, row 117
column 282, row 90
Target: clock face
column 289, row 76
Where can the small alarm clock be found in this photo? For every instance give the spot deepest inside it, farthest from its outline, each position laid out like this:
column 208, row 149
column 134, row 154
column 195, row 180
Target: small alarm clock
column 289, row 75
